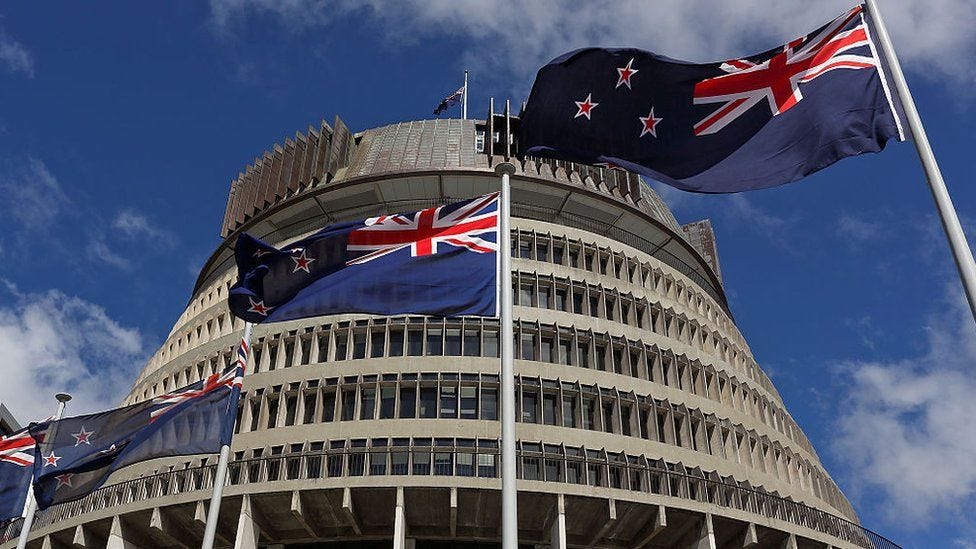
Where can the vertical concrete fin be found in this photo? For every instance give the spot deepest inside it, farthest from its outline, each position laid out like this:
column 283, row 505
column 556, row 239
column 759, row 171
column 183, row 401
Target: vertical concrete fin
column 247, row 529
column 706, row 535
column 652, row 529
column 200, row 513
column 399, row 522
column 789, row 542
column 750, row 537
column 558, row 535
column 46, row 543
column 298, row 512
column 349, row 511
column 454, row 511
column 116, row 536
column 80, row 539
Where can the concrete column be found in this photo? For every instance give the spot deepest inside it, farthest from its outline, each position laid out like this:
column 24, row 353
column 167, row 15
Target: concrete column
column 789, row 542
column 749, row 537
column 116, row 536
column 558, row 535
column 706, row 535
column 399, row 522
column 80, row 539
column 247, row 529
column 46, row 543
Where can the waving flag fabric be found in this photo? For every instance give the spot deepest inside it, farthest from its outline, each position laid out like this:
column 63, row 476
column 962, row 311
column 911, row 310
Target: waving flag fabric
column 439, row 261
column 449, row 101
column 16, row 466
column 76, row 455
column 742, row 124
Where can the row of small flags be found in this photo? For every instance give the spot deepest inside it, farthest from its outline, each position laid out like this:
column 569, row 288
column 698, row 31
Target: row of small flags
column 747, row 123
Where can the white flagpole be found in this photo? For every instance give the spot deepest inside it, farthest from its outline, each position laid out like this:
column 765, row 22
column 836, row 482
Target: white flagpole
column 31, row 510
column 213, row 513
column 961, row 252
column 509, row 493
column 464, row 98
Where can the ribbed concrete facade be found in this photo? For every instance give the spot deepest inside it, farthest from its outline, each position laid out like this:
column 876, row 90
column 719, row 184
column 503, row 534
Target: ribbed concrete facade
column 644, row 420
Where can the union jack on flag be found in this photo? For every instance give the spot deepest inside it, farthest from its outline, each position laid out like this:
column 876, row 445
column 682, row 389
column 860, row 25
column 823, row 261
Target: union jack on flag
column 777, row 79
column 425, row 230
column 232, row 378
column 17, row 448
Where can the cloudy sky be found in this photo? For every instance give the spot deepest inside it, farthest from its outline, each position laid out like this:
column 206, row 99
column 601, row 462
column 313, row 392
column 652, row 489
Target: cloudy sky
column 121, row 128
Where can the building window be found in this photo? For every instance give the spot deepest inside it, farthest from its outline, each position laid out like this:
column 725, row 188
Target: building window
column 489, row 403
column 376, row 343
column 469, row 402
column 387, row 402
column 448, row 401
column 549, row 408
column 396, row 342
column 530, row 400
column 408, row 401
column 569, row 411
column 428, row 402
column 435, row 342
column 328, row 406
column 452, row 342
column 348, row 404
column 415, row 341
column 472, row 342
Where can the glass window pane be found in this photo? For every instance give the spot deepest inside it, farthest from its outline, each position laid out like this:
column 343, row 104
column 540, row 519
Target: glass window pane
column 544, row 293
column 452, row 342
column 491, row 343
column 530, row 401
column 359, row 345
column 408, row 402
column 341, row 345
column 396, row 342
column 428, row 402
column 376, row 343
column 387, row 402
column 448, row 401
column 328, row 406
column 435, row 342
column 569, row 411
column 415, row 342
column 348, row 404
column 472, row 343
column 525, row 295
column 528, row 347
column 489, row 403
column 547, row 349
column 469, row 402
column 549, row 408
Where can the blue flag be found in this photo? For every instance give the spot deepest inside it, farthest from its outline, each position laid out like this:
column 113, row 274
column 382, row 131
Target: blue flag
column 439, row 261
column 75, row 456
column 743, row 124
column 16, row 466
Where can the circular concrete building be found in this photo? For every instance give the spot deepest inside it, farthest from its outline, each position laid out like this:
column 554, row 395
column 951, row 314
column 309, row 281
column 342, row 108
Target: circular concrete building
column 643, row 419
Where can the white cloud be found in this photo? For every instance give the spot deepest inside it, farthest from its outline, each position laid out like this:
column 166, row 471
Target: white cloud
column 15, row 56
column 856, row 229
column 133, row 225
column 905, row 430
column 53, row 342
column 32, row 195
column 512, row 38
column 99, row 251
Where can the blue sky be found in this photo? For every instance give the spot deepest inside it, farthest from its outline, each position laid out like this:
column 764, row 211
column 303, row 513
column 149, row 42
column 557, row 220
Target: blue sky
column 121, row 128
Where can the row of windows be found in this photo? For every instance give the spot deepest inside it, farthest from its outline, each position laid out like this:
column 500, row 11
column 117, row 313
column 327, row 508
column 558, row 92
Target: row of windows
column 552, row 249
column 419, row 336
column 461, row 457
column 547, row 402
column 576, row 254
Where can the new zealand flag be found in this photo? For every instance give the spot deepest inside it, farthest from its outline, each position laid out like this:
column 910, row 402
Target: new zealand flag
column 439, row 261
column 16, row 466
column 743, row 124
column 75, row 455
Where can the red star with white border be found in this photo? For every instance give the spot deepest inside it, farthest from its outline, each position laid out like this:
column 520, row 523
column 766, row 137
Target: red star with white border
column 625, row 74
column 585, row 107
column 64, row 480
column 302, row 262
column 259, row 307
column 51, row 460
column 649, row 124
column 83, row 436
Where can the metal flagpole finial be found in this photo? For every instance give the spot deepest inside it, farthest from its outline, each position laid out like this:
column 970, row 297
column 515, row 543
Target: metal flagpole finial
column 505, row 168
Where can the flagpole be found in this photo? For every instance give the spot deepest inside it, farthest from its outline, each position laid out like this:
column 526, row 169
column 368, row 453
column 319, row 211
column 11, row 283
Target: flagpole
column 961, row 252
column 464, row 98
column 507, row 335
column 213, row 513
column 63, row 399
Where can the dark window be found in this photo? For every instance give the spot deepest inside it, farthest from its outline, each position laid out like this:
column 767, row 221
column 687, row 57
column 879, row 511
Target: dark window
column 584, row 354
column 272, row 411
column 387, row 402
column 435, row 343
column 367, row 406
column 323, row 347
column 625, row 419
column 525, row 250
column 577, row 303
column 452, row 342
column 309, row 415
column 428, row 402
column 469, row 402
column 396, row 342
column 525, row 295
column 565, row 351
column 255, row 414
column 348, row 404
column 491, row 343
column 643, row 417
column 448, row 401
column 291, row 409
column 544, row 293
column 341, row 345
column 377, row 341
column 359, row 345
column 530, row 400
column 472, row 343
column 557, row 253
column 272, row 359
column 589, row 413
column 608, row 417
column 594, row 305
column 489, row 403
column 569, row 411
column 421, row 461
column 542, row 251
column 408, row 402
column 560, row 303
column 306, row 346
column 289, row 352
column 547, row 349
column 328, row 405
column 549, row 408
column 415, row 342
column 528, row 347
